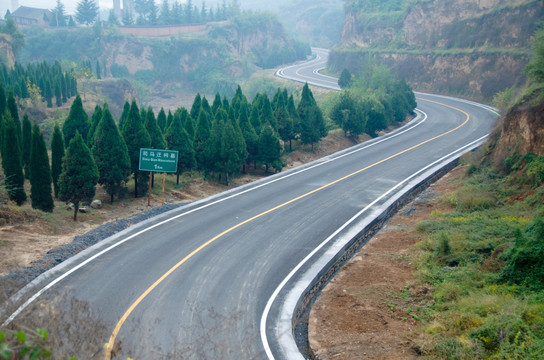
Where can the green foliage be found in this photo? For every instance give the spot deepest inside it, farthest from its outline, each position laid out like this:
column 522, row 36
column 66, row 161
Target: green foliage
column 485, row 264
column 40, row 173
column 136, row 137
column 525, row 262
column 312, row 123
column 77, row 121
column 77, row 182
column 345, row 79
column 25, row 345
column 349, row 114
column 178, row 139
column 86, row 11
column 17, row 38
column 27, row 141
column 57, row 153
column 110, row 153
column 11, row 161
column 535, row 68
column 269, row 149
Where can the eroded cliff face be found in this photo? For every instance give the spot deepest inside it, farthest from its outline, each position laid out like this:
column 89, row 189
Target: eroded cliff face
column 6, row 50
column 470, row 47
column 520, row 131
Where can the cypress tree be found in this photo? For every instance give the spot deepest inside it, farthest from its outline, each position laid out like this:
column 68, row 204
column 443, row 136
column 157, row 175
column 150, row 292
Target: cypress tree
column 161, row 120
column 205, row 105
column 110, row 153
column 197, row 104
column 98, row 71
column 13, row 110
column 136, row 137
column 202, row 135
column 124, row 115
column 58, row 94
column 270, row 149
column 40, row 173
column 216, row 103
column 27, row 142
column 157, row 139
column 232, row 154
column 169, row 119
column 178, row 139
column 77, row 182
column 57, row 153
column 311, row 118
column 11, row 161
column 249, row 134
column 77, row 121
column 95, row 119
column 48, row 94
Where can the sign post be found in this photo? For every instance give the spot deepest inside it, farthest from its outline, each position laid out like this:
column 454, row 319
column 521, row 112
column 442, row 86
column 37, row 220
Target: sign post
column 158, row 160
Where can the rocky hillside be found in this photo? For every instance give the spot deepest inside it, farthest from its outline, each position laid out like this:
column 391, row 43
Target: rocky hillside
column 209, row 61
column 6, row 50
column 449, row 46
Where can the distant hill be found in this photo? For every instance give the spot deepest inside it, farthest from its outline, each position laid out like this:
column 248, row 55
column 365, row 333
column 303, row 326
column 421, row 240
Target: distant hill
column 213, row 60
column 473, row 48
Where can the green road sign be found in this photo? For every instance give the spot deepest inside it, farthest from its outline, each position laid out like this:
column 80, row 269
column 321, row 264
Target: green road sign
column 158, row 160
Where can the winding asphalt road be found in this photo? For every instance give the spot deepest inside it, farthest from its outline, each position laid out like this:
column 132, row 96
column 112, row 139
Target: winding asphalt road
column 220, row 278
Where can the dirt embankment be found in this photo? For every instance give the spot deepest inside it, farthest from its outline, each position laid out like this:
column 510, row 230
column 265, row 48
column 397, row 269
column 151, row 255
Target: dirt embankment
column 368, row 310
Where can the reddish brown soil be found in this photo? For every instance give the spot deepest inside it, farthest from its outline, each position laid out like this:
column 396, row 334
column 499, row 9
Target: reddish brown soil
column 368, row 310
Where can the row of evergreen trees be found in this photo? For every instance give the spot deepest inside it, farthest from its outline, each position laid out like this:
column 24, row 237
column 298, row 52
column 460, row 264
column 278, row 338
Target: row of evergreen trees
column 149, row 13
column 371, row 101
column 39, row 81
column 220, row 139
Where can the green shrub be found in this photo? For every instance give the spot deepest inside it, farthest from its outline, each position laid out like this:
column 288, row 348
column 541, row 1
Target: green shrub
column 525, row 264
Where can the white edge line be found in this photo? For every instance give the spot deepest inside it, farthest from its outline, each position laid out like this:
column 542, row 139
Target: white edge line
column 284, row 330
column 52, row 272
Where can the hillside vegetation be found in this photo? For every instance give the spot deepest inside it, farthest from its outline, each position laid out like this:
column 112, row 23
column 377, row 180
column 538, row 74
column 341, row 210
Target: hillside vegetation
column 451, row 46
column 209, row 61
column 485, row 260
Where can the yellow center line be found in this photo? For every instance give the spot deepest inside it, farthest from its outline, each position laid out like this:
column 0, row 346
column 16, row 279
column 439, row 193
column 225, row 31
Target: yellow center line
column 117, row 329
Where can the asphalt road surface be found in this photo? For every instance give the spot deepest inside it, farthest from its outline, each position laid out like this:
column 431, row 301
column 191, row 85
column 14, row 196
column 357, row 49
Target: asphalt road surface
column 216, row 280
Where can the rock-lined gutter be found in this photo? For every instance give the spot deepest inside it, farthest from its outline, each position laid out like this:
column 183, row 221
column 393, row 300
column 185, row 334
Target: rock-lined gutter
column 302, row 312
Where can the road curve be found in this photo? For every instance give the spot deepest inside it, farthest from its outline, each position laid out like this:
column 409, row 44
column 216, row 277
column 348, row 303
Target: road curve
column 221, row 277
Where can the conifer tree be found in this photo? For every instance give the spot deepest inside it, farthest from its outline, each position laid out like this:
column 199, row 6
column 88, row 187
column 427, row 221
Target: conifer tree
column 205, row 105
column 195, row 109
column 270, row 149
column 13, row 110
column 178, row 139
column 311, row 118
column 124, row 115
column 249, row 134
column 188, row 124
column 202, row 135
column 11, row 161
column 58, row 94
column 77, row 182
column 95, row 120
column 169, row 119
column 98, row 70
column 216, row 103
column 157, row 139
column 110, row 153
column 232, row 153
column 161, row 120
column 40, row 173
column 57, row 153
column 27, row 142
column 136, row 137
column 255, row 119
column 77, row 121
